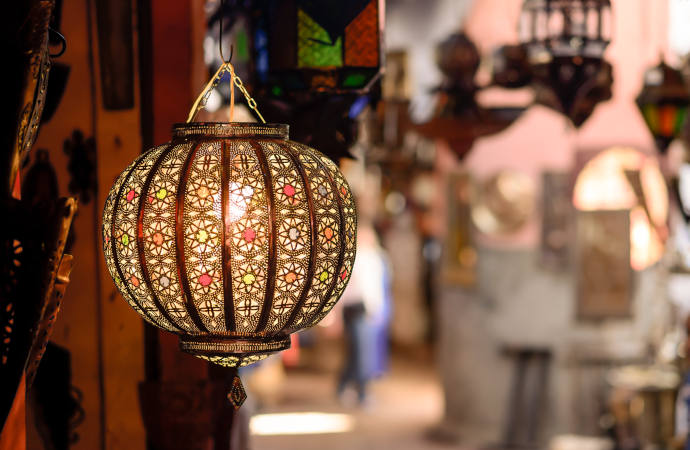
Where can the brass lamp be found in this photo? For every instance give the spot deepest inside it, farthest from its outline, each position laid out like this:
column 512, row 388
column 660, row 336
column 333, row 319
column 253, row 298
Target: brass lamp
column 663, row 102
column 231, row 236
column 565, row 42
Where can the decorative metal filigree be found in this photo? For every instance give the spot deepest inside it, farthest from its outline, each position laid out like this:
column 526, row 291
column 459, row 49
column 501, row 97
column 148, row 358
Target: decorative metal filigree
column 232, row 237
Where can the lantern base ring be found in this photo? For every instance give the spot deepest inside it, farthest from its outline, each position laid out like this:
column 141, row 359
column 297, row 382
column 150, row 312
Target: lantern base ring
column 231, row 345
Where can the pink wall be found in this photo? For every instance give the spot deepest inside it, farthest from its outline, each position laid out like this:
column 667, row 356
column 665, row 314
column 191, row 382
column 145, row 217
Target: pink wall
column 542, row 139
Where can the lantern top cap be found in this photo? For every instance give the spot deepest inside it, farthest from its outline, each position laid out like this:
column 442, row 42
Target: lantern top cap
column 231, row 130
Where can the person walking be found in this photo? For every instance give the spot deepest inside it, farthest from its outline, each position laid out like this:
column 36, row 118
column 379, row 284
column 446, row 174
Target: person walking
column 362, row 300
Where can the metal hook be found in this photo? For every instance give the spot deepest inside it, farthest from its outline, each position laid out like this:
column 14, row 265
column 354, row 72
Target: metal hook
column 63, row 42
column 220, row 36
column 232, row 50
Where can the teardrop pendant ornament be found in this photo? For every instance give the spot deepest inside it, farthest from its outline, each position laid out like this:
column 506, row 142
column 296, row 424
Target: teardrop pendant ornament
column 237, row 394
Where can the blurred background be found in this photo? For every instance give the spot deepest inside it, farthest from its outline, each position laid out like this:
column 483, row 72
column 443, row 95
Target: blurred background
column 522, row 176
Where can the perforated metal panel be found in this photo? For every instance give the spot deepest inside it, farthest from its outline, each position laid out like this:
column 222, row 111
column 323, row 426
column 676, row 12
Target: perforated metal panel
column 232, row 237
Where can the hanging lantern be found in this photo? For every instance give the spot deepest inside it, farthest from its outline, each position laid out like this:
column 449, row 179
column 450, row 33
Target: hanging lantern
column 326, row 46
column 565, row 41
column 458, row 59
column 511, row 68
column 231, row 236
column 565, row 28
column 664, row 101
column 315, row 63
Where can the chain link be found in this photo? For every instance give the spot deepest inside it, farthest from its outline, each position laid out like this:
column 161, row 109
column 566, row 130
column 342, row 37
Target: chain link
column 203, row 97
column 250, row 101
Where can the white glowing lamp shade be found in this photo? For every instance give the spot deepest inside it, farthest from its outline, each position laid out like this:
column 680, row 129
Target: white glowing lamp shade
column 232, row 237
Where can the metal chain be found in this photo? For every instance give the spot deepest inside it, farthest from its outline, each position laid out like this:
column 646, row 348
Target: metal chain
column 235, row 80
column 250, row 101
column 214, row 85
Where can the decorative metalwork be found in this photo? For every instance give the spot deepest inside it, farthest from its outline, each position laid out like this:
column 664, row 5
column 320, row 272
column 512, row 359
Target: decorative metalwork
column 511, row 68
column 325, row 46
column 232, row 237
column 664, row 102
column 503, row 203
column 35, row 273
column 565, row 41
column 458, row 118
column 565, row 28
column 59, row 267
column 237, row 394
column 33, row 51
column 458, row 59
column 602, row 255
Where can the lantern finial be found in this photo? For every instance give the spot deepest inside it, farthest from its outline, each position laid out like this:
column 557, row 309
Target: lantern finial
column 237, row 394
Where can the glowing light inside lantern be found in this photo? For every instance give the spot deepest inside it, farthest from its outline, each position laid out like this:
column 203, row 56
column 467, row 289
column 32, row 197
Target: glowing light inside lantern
column 238, row 200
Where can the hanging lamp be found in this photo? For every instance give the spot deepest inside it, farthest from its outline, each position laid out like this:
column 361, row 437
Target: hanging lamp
column 231, row 236
column 565, row 42
column 663, row 102
column 318, row 46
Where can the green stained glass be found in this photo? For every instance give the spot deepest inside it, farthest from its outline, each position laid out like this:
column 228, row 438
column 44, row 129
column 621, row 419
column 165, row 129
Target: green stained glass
column 242, row 45
column 650, row 114
column 355, row 80
column 680, row 119
column 315, row 47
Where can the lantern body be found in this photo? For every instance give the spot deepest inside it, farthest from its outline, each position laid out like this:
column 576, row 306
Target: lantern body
column 565, row 42
column 556, row 28
column 664, row 102
column 231, row 236
column 323, row 46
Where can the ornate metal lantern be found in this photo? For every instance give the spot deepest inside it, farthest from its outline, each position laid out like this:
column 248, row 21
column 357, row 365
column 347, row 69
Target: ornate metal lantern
column 328, row 45
column 565, row 28
column 458, row 59
column 231, row 236
column 314, row 62
column 664, row 102
column 565, row 41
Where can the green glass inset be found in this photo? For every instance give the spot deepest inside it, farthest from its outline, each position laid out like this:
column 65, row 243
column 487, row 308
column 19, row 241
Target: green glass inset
column 242, row 44
column 651, row 116
column 355, row 80
column 681, row 114
column 315, row 47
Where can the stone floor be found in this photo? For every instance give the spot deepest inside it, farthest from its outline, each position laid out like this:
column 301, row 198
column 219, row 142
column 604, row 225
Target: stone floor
column 405, row 405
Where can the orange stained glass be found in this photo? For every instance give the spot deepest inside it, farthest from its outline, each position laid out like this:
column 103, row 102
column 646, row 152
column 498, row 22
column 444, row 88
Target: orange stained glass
column 362, row 38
